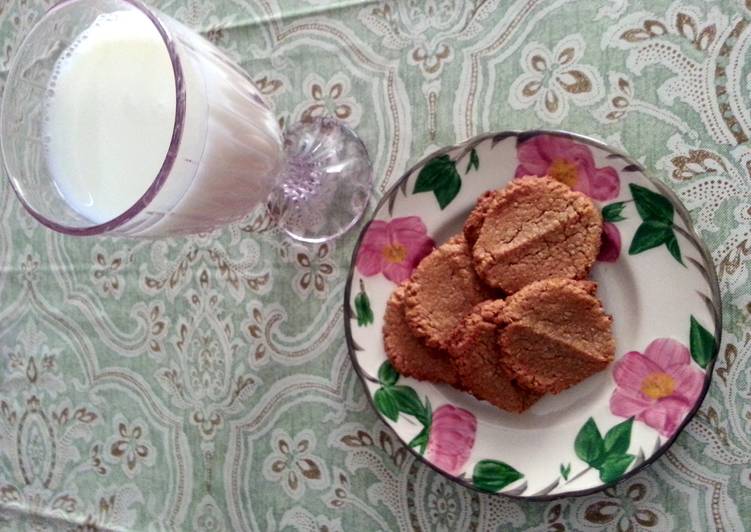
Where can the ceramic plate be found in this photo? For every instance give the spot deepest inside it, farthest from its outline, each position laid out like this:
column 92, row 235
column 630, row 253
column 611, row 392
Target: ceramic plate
column 655, row 278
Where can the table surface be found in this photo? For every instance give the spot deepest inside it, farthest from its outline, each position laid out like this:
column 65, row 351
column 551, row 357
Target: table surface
column 203, row 383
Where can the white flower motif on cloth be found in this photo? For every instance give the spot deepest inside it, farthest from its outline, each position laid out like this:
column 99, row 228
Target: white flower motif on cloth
column 330, row 98
column 156, row 321
column 264, row 329
column 209, row 377
column 30, row 366
column 271, row 84
column 427, row 14
column 705, row 179
column 618, row 103
column 40, row 441
column 316, row 270
column 293, row 464
column 38, row 502
column 338, row 496
column 705, row 55
column 621, row 101
column 554, row 77
column 427, row 27
column 107, row 272
column 77, row 348
column 208, row 517
column 173, row 264
column 628, row 505
column 130, row 446
column 442, row 505
column 107, row 509
column 113, row 509
column 28, row 263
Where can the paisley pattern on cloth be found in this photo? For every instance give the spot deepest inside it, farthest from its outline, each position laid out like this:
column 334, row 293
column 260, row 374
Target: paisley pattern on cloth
column 203, row 383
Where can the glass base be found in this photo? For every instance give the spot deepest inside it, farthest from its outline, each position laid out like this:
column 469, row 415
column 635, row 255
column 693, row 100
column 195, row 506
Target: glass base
column 326, row 183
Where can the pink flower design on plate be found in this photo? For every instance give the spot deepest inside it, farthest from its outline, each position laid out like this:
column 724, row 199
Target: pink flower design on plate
column 610, row 248
column 569, row 162
column 572, row 163
column 658, row 387
column 394, row 248
column 452, row 436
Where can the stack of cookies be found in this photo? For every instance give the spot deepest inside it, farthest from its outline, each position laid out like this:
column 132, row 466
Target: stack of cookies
column 502, row 311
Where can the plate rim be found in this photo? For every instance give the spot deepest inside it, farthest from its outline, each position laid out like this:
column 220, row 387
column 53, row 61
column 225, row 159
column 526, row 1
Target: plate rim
column 707, row 268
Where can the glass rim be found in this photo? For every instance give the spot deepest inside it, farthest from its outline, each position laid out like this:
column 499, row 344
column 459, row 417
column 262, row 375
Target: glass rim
column 169, row 158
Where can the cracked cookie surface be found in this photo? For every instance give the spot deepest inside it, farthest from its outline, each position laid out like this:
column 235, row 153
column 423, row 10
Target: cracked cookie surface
column 409, row 356
column 556, row 334
column 536, row 228
column 476, row 355
column 442, row 290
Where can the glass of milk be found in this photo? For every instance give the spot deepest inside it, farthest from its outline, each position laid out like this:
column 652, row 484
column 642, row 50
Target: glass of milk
column 117, row 119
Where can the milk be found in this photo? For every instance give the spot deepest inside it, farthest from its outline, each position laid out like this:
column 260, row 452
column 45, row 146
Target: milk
column 110, row 115
column 109, row 119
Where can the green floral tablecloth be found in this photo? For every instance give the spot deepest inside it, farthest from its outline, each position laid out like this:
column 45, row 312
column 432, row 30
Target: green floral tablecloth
column 204, row 384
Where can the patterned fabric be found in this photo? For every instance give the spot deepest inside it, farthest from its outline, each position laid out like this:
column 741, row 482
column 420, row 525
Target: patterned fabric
column 203, row 383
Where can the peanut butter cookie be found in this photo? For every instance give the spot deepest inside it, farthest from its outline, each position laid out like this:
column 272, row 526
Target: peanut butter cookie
column 556, row 334
column 441, row 291
column 409, row 356
column 476, row 356
column 536, row 228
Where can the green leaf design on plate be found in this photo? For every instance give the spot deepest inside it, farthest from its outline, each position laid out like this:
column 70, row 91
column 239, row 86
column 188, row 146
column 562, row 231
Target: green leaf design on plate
column 391, row 399
column 386, row 403
column 613, row 467
column 657, row 227
column 589, row 445
column 618, row 437
column 650, row 234
column 439, row 175
column 612, row 212
column 651, row 205
column 565, row 470
column 387, row 375
column 427, row 413
column 606, row 455
column 362, row 308
column 421, row 440
column 702, row 343
column 408, row 402
column 493, row 476
column 672, row 243
column 474, row 161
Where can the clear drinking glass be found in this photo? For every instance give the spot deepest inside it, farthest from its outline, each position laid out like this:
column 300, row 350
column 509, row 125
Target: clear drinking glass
column 217, row 155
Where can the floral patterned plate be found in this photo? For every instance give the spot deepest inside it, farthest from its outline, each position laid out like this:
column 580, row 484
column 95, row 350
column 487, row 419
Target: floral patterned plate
column 655, row 278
